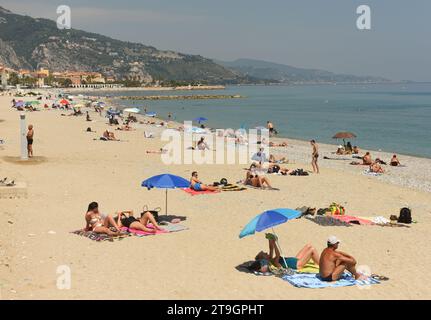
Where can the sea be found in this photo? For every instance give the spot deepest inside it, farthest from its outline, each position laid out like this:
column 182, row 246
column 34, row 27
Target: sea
column 389, row 117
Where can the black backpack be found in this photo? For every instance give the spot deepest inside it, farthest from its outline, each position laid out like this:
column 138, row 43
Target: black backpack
column 405, row 216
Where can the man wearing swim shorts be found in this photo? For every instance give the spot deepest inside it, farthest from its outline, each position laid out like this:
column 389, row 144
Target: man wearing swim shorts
column 333, row 263
column 30, row 134
column 197, row 185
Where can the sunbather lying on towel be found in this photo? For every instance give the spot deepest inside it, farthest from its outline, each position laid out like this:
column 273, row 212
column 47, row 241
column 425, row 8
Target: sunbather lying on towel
column 99, row 223
column 273, row 259
column 256, row 180
column 126, row 219
column 333, row 263
column 197, row 185
column 376, row 167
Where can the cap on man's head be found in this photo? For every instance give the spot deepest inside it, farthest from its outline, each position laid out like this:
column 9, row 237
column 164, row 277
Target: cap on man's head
column 333, row 240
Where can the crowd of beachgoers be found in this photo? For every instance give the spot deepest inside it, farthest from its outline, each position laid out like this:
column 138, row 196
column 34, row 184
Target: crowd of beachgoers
column 286, row 157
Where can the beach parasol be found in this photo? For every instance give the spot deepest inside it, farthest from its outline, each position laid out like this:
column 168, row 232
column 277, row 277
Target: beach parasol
column 64, row 101
column 269, row 219
column 200, row 119
column 19, row 103
column 344, row 135
column 165, row 181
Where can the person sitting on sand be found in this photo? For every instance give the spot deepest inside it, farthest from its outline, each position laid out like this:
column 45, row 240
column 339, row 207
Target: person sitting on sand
column 366, row 159
column 375, row 167
column 355, row 150
column 349, row 148
column 202, row 145
column 273, row 259
column 394, row 161
column 87, row 117
column 197, row 185
column 257, row 181
column 340, row 150
column 108, row 135
column 333, row 263
column 126, row 219
column 99, row 223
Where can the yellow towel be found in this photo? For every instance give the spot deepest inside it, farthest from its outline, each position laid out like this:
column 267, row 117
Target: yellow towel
column 310, row 267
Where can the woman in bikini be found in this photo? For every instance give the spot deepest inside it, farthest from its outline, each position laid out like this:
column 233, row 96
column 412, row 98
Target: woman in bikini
column 99, row 223
column 126, row 219
column 265, row 262
column 257, row 181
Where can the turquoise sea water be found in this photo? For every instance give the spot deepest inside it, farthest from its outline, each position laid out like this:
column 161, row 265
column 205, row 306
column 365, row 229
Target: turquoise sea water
column 391, row 117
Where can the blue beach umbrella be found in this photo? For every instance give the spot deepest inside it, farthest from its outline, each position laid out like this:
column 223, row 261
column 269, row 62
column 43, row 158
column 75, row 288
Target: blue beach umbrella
column 200, row 119
column 269, row 219
column 151, row 114
column 165, row 181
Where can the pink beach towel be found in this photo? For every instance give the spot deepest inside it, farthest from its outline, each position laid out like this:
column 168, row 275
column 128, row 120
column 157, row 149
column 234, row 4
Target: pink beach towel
column 193, row 192
column 143, row 233
column 352, row 219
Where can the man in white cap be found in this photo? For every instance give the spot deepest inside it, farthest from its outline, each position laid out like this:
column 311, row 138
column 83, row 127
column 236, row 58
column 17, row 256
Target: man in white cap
column 333, row 263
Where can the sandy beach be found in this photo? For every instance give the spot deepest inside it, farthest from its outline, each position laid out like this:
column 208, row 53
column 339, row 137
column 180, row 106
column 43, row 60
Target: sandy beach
column 71, row 169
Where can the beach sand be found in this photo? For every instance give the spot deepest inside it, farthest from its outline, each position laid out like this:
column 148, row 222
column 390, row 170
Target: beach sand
column 71, row 169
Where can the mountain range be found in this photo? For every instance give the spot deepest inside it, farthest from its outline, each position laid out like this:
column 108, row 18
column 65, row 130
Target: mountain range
column 32, row 43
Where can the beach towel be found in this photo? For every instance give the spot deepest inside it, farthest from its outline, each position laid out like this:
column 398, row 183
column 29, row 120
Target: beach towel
column 353, row 220
column 328, row 221
column 141, row 233
column 233, row 187
column 166, row 226
column 373, row 174
column 193, row 192
column 173, row 227
column 310, row 267
column 98, row 236
column 313, row 281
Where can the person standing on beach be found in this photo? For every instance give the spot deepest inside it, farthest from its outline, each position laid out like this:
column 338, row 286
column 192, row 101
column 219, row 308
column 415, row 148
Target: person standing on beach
column 270, row 127
column 30, row 135
column 314, row 156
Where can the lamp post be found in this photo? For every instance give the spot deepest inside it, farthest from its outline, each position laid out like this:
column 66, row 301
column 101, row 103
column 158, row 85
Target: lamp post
column 24, row 153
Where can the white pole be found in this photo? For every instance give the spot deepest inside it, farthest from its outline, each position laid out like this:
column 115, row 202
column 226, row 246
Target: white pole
column 281, row 251
column 24, row 153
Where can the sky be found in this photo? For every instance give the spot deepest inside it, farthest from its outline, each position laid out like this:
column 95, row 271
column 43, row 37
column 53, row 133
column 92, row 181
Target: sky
column 302, row 33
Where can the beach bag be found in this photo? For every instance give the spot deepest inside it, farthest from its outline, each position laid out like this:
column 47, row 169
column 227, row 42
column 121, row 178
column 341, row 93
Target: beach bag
column 154, row 212
column 223, row 181
column 405, row 216
column 336, row 209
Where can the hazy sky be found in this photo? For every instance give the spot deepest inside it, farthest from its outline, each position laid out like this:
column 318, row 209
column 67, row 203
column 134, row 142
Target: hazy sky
column 304, row 33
